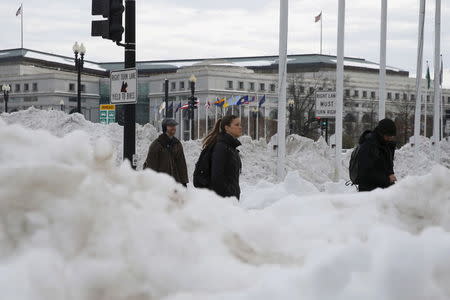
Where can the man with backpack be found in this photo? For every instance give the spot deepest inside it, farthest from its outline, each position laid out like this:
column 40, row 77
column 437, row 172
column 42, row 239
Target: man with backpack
column 166, row 154
column 372, row 162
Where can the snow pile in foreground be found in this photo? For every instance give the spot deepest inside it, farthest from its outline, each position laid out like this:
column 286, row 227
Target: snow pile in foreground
column 73, row 225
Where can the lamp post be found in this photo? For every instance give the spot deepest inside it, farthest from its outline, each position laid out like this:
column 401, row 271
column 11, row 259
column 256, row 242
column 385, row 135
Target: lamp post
column 61, row 103
column 6, row 88
column 291, row 110
column 192, row 101
column 79, row 62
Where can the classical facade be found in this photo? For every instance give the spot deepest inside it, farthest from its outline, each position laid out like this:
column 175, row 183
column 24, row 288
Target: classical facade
column 46, row 80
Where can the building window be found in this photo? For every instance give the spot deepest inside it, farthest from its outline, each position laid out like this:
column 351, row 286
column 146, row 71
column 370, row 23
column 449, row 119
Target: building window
column 364, row 94
column 389, row 95
column 241, row 85
column 347, row 93
column 35, row 87
column 302, row 89
column 405, row 96
column 448, row 100
column 229, row 84
column 72, row 87
column 262, row 86
column 397, row 96
column 372, row 95
column 83, row 88
column 17, row 88
column 181, row 85
column 311, row 90
column 272, row 87
column 26, row 87
column 173, row 86
column 356, row 104
column 356, row 93
column 428, row 98
column 73, row 99
column 413, row 97
column 252, row 86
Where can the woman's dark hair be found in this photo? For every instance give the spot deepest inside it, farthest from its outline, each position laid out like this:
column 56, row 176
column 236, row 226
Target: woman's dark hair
column 211, row 138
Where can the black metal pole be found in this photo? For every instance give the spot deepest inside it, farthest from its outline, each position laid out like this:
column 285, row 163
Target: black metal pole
column 191, row 109
column 166, row 97
column 6, row 96
column 326, row 130
column 78, row 67
column 129, row 136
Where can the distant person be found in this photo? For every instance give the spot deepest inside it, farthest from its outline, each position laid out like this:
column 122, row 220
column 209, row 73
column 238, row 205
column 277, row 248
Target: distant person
column 372, row 162
column 166, row 154
column 219, row 165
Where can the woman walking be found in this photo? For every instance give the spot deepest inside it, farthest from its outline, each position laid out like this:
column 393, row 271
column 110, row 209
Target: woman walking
column 225, row 160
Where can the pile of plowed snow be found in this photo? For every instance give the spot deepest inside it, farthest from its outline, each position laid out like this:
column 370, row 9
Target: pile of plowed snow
column 74, row 225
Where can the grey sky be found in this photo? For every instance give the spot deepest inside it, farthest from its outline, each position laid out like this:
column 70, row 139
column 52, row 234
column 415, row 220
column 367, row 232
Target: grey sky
column 174, row 29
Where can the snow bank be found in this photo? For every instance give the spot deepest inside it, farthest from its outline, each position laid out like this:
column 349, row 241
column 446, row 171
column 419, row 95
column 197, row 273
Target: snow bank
column 73, row 225
column 312, row 161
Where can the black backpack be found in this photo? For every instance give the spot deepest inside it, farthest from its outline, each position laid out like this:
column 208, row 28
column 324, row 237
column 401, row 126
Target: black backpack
column 202, row 172
column 353, row 166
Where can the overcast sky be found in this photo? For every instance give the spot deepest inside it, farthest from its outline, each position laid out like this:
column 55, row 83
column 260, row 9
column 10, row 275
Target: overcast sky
column 180, row 29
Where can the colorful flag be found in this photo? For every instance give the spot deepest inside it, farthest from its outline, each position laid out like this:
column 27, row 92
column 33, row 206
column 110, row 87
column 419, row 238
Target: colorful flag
column 262, row 100
column 178, row 107
column 185, row 106
column 220, row 102
column 252, row 99
column 162, row 107
column 318, row 18
column 19, row 11
column 170, row 106
column 242, row 100
column 228, row 102
column 428, row 77
column 207, row 104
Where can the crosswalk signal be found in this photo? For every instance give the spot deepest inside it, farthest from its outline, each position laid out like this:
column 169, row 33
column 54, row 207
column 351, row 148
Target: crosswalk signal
column 111, row 28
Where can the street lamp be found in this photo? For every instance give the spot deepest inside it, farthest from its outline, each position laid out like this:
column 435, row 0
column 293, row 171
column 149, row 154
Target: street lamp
column 192, row 101
column 61, row 103
column 291, row 110
column 6, row 88
column 79, row 62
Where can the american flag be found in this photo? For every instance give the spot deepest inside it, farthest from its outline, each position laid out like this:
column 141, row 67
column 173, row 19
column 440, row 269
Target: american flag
column 19, row 11
column 318, row 17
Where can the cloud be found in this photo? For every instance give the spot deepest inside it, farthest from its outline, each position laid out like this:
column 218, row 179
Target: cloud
column 175, row 29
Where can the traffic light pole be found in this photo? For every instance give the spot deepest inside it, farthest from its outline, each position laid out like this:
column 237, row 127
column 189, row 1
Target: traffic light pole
column 326, row 131
column 129, row 136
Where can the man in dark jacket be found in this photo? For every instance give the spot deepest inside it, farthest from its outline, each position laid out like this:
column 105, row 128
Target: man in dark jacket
column 166, row 154
column 376, row 157
column 226, row 166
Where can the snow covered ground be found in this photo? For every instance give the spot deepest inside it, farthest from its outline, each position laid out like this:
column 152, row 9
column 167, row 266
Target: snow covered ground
column 77, row 224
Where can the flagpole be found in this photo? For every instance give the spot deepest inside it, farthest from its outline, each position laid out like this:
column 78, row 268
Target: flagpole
column 382, row 88
column 321, row 18
column 21, row 26
column 206, row 120
column 419, row 74
column 265, row 124
column 257, row 123
column 215, row 121
column 339, row 87
column 282, row 70
column 198, row 118
column 437, row 52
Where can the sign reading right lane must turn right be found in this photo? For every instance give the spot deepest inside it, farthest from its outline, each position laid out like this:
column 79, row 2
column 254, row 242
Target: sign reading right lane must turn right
column 326, row 104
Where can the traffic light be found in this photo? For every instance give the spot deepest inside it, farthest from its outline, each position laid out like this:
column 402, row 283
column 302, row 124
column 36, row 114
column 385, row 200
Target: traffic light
column 324, row 123
column 111, row 28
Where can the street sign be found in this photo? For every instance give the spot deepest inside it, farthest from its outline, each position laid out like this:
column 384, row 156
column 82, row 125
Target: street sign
column 326, row 104
column 124, row 86
column 107, row 113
